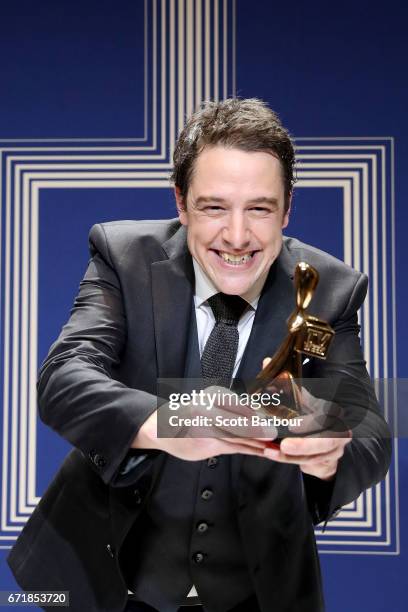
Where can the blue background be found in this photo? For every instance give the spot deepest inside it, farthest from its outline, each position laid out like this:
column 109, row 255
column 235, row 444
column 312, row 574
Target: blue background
column 74, row 70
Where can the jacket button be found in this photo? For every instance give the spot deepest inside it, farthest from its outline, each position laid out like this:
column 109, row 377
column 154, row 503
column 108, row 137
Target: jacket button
column 206, row 494
column 202, row 527
column 212, row 462
column 137, row 497
column 99, row 461
column 198, row 557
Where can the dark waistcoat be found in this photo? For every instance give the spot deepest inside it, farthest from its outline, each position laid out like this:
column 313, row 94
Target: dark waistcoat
column 188, row 533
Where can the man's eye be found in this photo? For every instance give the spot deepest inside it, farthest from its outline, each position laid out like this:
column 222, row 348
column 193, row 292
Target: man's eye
column 260, row 210
column 213, row 209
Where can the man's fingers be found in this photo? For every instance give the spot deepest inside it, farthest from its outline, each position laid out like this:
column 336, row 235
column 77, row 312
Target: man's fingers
column 309, row 460
column 313, row 444
column 308, row 451
column 252, row 442
column 232, row 447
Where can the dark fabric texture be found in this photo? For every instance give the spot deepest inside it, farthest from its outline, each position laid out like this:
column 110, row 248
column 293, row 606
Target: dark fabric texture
column 139, row 606
column 249, row 605
column 220, row 351
column 129, row 326
column 158, row 558
column 179, row 521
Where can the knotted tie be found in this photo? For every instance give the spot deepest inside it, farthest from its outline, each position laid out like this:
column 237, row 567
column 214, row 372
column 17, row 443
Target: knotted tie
column 220, row 351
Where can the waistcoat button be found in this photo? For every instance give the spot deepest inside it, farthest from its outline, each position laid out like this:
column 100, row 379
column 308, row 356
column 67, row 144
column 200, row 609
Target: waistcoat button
column 212, row 462
column 198, row 557
column 202, row 527
column 206, row 494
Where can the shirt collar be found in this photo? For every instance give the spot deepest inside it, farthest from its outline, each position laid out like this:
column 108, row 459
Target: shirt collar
column 204, row 288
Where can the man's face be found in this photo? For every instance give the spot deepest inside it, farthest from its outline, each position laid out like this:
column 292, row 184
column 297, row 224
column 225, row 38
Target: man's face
column 234, row 216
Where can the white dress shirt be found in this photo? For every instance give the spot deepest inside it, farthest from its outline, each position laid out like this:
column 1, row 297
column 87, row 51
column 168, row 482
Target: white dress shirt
column 205, row 289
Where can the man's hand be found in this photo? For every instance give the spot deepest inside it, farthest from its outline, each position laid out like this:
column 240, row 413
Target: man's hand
column 195, row 449
column 315, row 455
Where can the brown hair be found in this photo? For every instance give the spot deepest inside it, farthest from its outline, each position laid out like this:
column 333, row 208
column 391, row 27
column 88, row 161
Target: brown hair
column 246, row 124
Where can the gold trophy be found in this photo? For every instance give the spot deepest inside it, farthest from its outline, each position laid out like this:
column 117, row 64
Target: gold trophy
column 308, row 336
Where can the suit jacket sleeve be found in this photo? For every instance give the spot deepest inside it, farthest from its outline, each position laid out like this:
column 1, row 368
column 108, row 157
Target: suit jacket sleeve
column 77, row 393
column 367, row 457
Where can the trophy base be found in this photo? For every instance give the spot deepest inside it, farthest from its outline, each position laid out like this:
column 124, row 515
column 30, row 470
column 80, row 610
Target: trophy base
column 282, row 412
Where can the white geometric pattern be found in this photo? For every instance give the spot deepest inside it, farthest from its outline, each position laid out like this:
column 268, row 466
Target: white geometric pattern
column 180, row 76
column 180, row 30
column 364, row 169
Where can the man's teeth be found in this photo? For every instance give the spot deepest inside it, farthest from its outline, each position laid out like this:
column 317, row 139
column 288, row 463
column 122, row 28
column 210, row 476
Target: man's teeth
column 236, row 260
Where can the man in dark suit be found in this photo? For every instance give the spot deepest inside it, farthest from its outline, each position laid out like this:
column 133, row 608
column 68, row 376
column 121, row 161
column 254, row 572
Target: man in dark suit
column 224, row 523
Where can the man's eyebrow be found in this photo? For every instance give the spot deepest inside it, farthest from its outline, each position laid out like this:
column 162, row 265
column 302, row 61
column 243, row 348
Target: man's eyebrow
column 263, row 200
column 206, row 199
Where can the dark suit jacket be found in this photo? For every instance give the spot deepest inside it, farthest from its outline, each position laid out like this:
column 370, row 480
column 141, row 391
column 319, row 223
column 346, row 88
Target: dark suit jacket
column 129, row 326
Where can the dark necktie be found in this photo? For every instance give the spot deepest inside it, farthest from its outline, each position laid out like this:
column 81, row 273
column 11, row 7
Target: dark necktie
column 220, row 351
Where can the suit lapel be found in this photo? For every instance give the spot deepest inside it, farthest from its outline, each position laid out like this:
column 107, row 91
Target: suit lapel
column 172, row 295
column 276, row 303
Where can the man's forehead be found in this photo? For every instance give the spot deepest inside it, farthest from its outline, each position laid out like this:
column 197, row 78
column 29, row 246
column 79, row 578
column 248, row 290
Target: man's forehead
column 219, row 173
column 236, row 163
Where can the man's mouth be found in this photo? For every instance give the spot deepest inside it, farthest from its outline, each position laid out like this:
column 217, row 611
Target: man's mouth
column 236, row 260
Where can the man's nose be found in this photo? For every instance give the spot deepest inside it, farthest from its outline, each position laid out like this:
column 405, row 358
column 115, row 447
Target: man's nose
column 236, row 233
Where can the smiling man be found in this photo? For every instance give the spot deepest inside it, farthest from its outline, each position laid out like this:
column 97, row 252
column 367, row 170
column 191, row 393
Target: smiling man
column 234, row 213
column 137, row 522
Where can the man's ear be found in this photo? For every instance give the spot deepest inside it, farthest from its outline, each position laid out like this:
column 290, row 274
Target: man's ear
column 285, row 220
column 181, row 208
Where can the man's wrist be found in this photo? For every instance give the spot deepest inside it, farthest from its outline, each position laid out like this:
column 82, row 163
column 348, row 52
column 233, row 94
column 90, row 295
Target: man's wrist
column 326, row 473
column 146, row 437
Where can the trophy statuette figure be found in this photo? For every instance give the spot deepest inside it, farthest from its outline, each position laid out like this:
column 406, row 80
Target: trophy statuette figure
column 308, row 335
